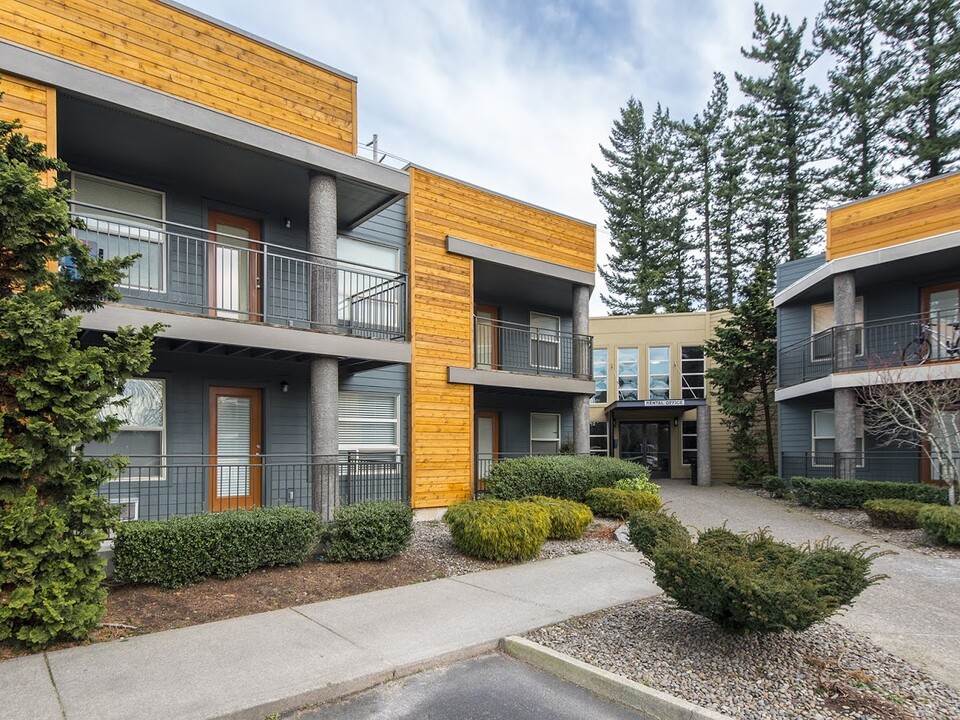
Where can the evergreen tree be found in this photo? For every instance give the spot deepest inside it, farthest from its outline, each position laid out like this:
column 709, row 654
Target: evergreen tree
column 639, row 194
column 858, row 97
column 924, row 36
column 52, row 390
column 784, row 127
column 743, row 375
column 729, row 191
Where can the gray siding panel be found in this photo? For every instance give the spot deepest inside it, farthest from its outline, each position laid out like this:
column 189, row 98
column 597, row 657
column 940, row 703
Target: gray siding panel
column 515, row 412
column 789, row 272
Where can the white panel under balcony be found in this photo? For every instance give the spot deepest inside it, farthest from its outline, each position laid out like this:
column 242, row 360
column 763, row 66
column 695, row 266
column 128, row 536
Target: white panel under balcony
column 856, row 379
column 233, row 332
column 520, row 381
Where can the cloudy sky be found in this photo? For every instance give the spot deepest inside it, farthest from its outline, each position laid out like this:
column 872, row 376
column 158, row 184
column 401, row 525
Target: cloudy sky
column 513, row 95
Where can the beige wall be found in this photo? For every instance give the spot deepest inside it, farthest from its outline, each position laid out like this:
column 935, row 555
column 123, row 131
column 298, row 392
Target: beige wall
column 673, row 330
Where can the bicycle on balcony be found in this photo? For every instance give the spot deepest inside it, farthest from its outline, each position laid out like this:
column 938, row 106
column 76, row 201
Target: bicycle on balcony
column 930, row 340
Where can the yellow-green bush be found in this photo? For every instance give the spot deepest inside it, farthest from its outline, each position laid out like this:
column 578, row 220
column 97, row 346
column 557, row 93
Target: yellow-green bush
column 500, row 530
column 893, row 513
column 941, row 522
column 620, row 504
column 639, row 483
column 568, row 519
column 649, row 528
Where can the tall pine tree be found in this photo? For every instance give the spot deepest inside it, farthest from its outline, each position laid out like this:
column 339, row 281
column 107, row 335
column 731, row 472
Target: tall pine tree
column 730, row 192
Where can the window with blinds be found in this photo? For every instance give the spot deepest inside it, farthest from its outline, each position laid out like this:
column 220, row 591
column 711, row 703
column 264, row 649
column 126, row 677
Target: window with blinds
column 367, row 422
column 141, row 436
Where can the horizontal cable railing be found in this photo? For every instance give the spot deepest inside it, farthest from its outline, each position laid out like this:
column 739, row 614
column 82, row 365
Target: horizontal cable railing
column 526, row 349
column 873, row 345
column 888, row 465
column 159, row 487
column 206, row 272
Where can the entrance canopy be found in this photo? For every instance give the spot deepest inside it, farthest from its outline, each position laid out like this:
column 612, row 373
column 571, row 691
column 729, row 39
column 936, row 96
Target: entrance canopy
column 660, row 407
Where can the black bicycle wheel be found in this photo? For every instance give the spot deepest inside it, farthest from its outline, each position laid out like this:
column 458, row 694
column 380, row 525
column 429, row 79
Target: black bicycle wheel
column 916, row 353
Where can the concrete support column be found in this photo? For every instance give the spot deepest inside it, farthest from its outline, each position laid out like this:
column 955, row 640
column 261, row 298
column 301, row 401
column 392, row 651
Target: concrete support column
column 845, row 432
column 581, row 424
column 704, row 469
column 324, row 371
column 844, row 352
column 582, row 347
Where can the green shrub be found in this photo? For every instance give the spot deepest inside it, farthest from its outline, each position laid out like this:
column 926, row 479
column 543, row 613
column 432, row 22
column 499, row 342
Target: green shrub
column 500, row 530
column 777, row 486
column 640, row 484
column 182, row 550
column 561, row 476
column 649, row 528
column 568, row 519
column 835, row 493
column 755, row 583
column 620, row 504
column 941, row 522
column 374, row 530
column 893, row 513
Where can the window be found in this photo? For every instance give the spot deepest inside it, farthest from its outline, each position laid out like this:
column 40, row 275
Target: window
column 363, row 296
column 600, row 376
column 821, row 321
column 945, row 427
column 125, row 220
column 544, row 433
column 659, row 363
column 544, row 341
column 142, row 433
column 824, row 434
column 691, row 373
column 367, row 423
column 628, row 373
column 688, row 441
column 352, row 250
column 598, row 438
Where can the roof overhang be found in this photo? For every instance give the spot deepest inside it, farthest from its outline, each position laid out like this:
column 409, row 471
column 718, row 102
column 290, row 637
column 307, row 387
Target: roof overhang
column 678, row 406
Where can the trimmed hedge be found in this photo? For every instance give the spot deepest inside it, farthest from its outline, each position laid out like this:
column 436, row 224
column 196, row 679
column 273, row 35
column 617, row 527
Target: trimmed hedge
column 176, row 552
column 941, row 522
column 568, row 519
column 620, row 504
column 640, row 484
column 893, row 513
column 648, row 529
column 568, row 477
column 775, row 485
column 499, row 530
column 835, row 493
column 755, row 583
column 373, row 530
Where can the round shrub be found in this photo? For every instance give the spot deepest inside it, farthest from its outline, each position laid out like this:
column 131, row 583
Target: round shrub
column 620, row 504
column 649, row 528
column 777, row 486
column 561, row 476
column 500, row 530
column 568, row 519
column 372, row 530
column 640, row 484
column 893, row 513
column 755, row 583
column 941, row 522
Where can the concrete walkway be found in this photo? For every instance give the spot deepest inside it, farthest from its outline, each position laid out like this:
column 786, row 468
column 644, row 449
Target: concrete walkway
column 252, row 666
column 914, row 614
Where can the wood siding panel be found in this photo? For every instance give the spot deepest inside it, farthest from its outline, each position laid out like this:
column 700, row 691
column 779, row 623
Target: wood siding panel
column 915, row 212
column 166, row 49
column 34, row 105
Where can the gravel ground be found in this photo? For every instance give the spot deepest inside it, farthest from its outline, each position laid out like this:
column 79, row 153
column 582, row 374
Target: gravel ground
column 824, row 673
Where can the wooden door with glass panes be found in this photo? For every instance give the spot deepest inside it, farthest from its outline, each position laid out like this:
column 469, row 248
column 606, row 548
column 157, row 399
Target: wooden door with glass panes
column 236, row 446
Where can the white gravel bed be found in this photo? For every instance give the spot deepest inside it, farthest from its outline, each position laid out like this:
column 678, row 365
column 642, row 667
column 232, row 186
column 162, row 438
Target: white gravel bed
column 823, row 673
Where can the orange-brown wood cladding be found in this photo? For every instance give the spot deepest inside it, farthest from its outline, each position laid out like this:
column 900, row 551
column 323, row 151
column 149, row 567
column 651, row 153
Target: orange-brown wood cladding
column 441, row 318
column 35, row 107
column 166, row 49
column 915, row 212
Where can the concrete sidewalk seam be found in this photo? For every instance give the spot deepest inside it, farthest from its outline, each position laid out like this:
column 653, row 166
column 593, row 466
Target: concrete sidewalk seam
column 618, row 555
column 53, row 684
column 296, row 609
column 566, row 615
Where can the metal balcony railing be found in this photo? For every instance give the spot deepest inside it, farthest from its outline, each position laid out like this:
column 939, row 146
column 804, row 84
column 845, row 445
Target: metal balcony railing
column 159, row 487
column 204, row 272
column 533, row 351
column 874, row 345
column 887, row 465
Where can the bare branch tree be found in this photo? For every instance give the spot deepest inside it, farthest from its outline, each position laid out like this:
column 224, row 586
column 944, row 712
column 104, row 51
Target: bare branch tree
column 916, row 407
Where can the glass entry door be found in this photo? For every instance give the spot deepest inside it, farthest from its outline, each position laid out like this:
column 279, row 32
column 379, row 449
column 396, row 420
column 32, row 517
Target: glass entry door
column 647, row 444
column 236, row 444
column 488, row 444
column 487, row 346
column 235, row 268
column 941, row 304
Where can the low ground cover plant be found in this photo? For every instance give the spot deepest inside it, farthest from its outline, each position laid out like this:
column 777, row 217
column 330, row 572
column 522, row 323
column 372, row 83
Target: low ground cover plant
column 568, row 519
column 373, row 530
column 499, row 530
column 836, row 493
column 568, row 477
column 754, row 583
column 649, row 528
column 893, row 513
column 620, row 504
column 943, row 523
column 641, row 483
column 176, row 552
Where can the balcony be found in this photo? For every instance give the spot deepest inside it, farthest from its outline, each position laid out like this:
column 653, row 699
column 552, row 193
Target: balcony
column 908, row 340
column 201, row 272
column 528, row 350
